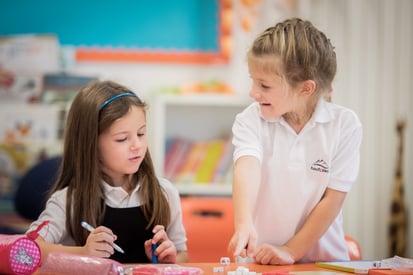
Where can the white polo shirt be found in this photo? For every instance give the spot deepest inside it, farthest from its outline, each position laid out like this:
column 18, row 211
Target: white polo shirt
column 116, row 197
column 296, row 170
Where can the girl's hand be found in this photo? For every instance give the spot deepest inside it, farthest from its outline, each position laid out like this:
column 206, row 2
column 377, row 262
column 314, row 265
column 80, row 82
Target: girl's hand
column 274, row 255
column 166, row 250
column 243, row 241
column 99, row 242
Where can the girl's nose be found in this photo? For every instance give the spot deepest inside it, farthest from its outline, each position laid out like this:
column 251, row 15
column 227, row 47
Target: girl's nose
column 254, row 94
column 136, row 143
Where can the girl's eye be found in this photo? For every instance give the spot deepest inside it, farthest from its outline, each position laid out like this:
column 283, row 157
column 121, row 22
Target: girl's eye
column 141, row 135
column 121, row 140
column 265, row 86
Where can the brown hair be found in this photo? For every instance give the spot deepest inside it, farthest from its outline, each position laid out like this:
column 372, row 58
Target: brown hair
column 80, row 169
column 304, row 51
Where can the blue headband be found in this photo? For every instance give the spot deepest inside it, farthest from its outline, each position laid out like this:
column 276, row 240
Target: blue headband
column 114, row 98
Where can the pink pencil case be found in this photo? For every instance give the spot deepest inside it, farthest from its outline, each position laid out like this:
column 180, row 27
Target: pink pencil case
column 64, row 263
column 19, row 254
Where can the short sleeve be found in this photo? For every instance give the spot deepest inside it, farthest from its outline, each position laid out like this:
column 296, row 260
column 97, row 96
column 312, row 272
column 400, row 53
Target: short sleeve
column 346, row 160
column 246, row 133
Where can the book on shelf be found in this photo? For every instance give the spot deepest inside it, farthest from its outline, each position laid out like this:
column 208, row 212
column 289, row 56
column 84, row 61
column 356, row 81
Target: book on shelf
column 191, row 162
column 205, row 172
column 223, row 169
column 200, row 162
column 177, row 149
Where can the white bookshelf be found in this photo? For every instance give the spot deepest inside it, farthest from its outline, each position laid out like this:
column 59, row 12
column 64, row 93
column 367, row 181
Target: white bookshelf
column 199, row 117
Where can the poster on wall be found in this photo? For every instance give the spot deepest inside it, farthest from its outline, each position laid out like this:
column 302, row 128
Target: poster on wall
column 29, row 53
column 23, row 61
column 22, row 88
column 29, row 123
column 27, row 133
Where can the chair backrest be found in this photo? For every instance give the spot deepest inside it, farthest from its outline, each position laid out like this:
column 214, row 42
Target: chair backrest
column 209, row 225
column 31, row 194
column 354, row 249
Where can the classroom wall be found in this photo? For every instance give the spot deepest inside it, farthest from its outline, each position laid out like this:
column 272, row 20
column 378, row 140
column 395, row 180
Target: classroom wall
column 373, row 40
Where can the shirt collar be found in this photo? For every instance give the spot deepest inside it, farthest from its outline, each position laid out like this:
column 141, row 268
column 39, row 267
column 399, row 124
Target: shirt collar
column 117, row 196
column 322, row 112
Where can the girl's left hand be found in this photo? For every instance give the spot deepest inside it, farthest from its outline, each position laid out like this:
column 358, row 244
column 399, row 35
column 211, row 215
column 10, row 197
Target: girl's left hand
column 166, row 250
column 273, row 255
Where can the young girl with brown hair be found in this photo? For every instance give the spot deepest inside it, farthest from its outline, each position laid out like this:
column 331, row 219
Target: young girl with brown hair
column 107, row 179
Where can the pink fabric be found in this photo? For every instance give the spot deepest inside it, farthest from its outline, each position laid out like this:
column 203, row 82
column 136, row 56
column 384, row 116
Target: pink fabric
column 64, row 263
column 165, row 269
column 18, row 254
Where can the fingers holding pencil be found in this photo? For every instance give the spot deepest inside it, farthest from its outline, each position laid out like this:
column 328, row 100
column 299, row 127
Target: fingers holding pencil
column 160, row 248
column 100, row 241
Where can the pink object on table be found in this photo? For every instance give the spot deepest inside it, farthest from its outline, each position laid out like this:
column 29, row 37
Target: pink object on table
column 64, row 263
column 19, row 254
column 165, row 269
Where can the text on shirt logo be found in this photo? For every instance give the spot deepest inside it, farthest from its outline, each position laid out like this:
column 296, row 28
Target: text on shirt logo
column 320, row 166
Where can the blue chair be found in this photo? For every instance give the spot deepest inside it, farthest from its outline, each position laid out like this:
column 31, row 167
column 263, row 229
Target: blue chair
column 31, row 194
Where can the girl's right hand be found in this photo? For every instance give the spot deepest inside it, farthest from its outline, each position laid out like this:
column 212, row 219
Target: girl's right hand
column 99, row 242
column 243, row 242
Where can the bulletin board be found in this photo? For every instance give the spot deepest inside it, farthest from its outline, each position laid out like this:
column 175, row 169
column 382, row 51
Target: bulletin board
column 127, row 30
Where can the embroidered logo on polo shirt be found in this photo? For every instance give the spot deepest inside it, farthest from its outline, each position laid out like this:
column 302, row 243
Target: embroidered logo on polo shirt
column 320, row 166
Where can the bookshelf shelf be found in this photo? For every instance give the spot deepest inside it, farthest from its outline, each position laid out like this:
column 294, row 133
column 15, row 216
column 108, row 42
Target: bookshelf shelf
column 205, row 189
column 199, row 118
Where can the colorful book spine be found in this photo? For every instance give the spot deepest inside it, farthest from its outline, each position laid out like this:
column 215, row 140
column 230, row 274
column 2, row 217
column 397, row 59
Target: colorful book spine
column 191, row 163
column 175, row 157
column 224, row 167
column 205, row 172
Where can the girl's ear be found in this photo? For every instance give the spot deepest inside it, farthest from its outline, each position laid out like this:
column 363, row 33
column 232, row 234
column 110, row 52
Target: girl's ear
column 308, row 87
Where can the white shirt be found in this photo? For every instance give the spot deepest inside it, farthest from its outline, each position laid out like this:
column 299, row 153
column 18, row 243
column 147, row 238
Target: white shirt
column 296, row 169
column 116, row 197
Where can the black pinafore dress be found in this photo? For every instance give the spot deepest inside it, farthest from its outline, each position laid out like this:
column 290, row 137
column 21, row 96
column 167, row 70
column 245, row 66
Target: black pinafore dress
column 129, row 224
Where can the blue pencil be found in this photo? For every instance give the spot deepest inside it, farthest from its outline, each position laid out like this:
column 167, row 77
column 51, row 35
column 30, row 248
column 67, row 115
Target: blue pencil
column 154, row 257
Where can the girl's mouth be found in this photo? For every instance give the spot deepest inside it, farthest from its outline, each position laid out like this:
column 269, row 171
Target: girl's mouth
column 134, row 158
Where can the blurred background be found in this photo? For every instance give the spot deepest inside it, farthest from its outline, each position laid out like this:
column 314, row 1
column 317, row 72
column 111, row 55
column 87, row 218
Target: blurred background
column 188, row 57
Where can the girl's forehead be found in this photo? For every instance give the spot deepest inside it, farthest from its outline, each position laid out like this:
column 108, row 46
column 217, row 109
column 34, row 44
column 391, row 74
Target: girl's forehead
column 135, row 116
column 135, row 113
column 265, row 65
column 266, row 75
